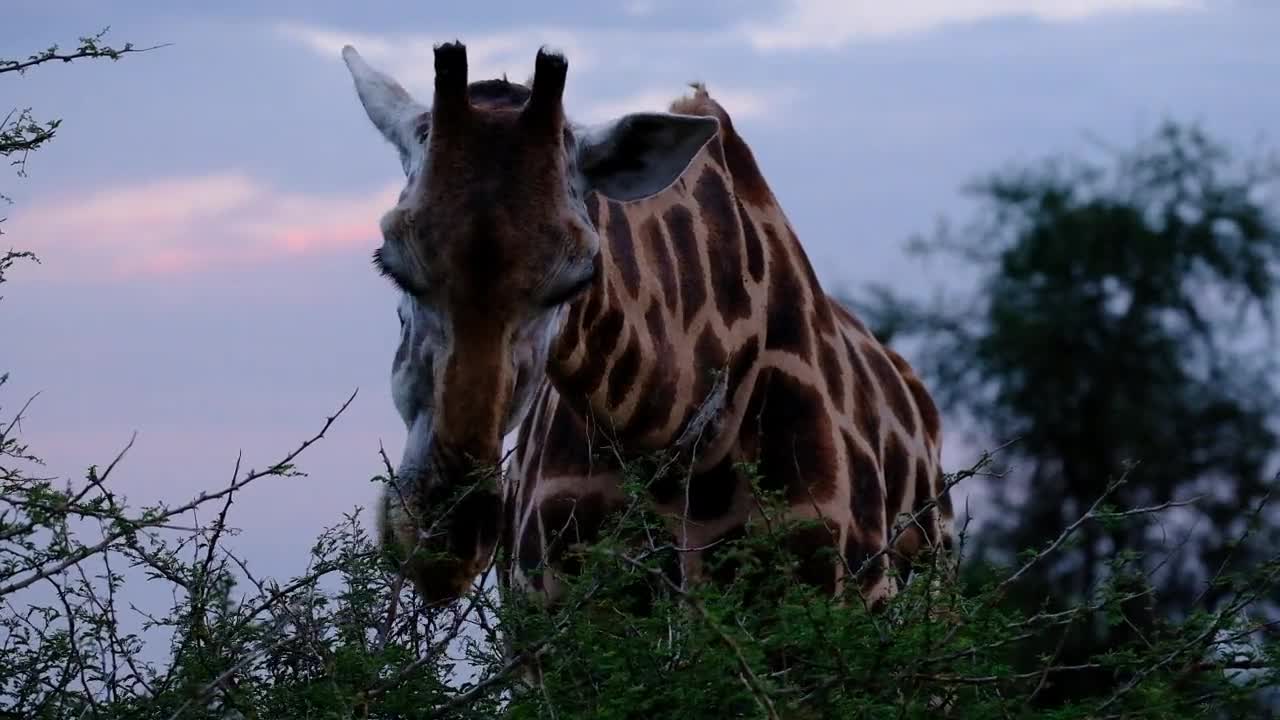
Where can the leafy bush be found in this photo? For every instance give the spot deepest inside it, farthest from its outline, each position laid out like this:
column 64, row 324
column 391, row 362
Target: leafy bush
column 347, row 638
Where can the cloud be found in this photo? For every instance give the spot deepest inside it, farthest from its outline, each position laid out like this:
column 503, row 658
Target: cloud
column 639, row 8
column 188, row 224
column 829, row 24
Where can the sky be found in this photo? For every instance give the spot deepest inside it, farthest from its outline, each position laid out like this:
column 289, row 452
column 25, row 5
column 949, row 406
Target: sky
column 206, row 213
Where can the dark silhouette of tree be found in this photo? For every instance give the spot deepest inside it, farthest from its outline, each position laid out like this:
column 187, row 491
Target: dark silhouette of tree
column 1119, row 329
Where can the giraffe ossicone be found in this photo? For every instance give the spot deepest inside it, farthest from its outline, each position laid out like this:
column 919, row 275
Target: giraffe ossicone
column 635, row 283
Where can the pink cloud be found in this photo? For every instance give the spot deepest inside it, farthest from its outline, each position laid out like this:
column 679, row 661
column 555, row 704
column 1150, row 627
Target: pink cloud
column 189, row 224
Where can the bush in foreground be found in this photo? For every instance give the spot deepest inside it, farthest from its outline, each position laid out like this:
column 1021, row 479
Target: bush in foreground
column 348, row 638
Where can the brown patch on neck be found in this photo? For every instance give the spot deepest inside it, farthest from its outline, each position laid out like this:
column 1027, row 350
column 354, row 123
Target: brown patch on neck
column 748, row 181
column 724, row 247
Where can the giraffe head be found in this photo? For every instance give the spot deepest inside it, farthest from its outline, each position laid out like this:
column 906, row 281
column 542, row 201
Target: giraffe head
column 490, row 241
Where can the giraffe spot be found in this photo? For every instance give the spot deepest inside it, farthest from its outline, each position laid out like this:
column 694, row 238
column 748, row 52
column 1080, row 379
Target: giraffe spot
column 815, row 546
column 748, row 182
column 623, row 376
column 711, row 493
column 823, row 319
column 905, row 550
column 751, row 239
column 787, row 329
column 894, row 392
column 924, row 492
column 688, row 254
column 897, row 474
column 753, row 415
column 743, row 362
column 660, row 257
column 622, row 247
column 600, row 343
column 709, row 353
column 860, row 547
column 867, row 497
column 567, row 520
column 565, row 451
column 592, row 306
column 709, row 356
column 928, row 409
column 723, row 247
column 653, row 402
column 829, row 363
column 716, row 151
column 796, row 450
column 865, row 401
column 567, row 340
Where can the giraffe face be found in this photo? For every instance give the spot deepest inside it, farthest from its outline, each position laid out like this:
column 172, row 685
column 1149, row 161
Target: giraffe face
column 490, row 241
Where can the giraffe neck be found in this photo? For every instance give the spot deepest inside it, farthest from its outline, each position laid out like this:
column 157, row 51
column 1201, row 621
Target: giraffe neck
column 657, row 348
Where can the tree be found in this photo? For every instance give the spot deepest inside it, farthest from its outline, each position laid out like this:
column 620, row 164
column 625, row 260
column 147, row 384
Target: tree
column 1120, row 334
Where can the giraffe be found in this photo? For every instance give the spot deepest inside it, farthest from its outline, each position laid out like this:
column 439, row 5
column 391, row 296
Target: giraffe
column 634, row 281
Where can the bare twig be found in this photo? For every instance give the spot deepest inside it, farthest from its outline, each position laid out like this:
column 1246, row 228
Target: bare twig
column 133, row 525
column 87, row 49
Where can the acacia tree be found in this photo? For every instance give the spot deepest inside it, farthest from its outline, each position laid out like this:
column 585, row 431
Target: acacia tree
column 1120, row 325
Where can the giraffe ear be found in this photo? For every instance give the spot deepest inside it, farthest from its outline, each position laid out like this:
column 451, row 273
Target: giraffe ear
column 640, row 154
column 389, row 106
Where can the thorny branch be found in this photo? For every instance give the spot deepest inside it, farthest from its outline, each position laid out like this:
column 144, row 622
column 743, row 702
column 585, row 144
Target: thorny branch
column 125, row 527
column 89, row 48
column 300, row 641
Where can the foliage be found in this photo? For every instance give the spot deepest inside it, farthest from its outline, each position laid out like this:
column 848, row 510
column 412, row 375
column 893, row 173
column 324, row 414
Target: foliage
column 347, row 638
column 20, row 132
column 1121, row 315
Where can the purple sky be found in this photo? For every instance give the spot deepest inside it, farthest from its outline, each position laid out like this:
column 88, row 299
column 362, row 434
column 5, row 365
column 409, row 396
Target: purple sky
column 206, row 214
